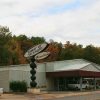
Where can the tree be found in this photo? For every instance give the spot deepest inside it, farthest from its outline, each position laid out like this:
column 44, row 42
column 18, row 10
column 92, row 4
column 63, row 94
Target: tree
column 37, row 40
column 5, row 36
column 92, row 53
column 22, row 38
column 4, row 56
column 71, row 51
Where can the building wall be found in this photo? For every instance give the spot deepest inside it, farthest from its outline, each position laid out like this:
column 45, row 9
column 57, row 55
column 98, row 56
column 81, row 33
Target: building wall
column 20, row 73
column 4, row 80
column 50, row 67
column 41, row 75
column 50, row 84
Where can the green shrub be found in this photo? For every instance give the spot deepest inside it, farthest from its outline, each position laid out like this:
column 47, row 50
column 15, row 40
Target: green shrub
column 18, row 86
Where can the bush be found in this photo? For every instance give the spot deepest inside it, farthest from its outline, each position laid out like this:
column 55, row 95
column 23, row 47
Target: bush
column 18, row 86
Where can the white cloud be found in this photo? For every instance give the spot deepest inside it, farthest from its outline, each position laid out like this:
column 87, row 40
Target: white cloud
column 17, row 7
column 79, row 25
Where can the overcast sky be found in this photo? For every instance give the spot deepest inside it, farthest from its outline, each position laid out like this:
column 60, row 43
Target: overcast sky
column 61, row 20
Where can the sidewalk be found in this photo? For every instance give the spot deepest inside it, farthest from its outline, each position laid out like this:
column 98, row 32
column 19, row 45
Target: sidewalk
column 52, row 95
column 42, row 96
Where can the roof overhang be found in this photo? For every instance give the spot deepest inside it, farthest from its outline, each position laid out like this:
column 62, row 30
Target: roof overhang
column 74, row 73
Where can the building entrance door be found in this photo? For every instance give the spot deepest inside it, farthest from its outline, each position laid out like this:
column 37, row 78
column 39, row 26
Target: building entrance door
column 60, row 84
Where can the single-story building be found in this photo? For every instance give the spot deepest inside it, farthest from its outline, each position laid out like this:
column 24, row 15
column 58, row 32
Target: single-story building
column 51, row 75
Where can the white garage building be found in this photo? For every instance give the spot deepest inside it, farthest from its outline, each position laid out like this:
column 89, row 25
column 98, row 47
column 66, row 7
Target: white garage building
column 48, row 72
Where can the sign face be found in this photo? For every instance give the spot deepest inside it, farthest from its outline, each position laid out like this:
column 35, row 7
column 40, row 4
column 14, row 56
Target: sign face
column 42, row 55
column 35, row 50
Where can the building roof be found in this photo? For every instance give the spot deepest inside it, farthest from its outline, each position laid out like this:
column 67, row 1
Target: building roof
column 73, row 68
column 68, row 65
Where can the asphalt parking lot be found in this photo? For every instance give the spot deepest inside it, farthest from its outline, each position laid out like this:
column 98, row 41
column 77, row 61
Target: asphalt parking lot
column 94, row 95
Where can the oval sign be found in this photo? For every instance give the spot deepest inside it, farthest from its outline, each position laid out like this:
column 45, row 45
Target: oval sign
column 42, row 55
column 35, row 50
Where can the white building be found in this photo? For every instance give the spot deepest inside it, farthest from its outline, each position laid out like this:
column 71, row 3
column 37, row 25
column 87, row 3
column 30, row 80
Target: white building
column 49, row 74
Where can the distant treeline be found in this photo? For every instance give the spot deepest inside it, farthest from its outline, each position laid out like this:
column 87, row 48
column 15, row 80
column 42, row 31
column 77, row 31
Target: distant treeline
column 13, row 48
